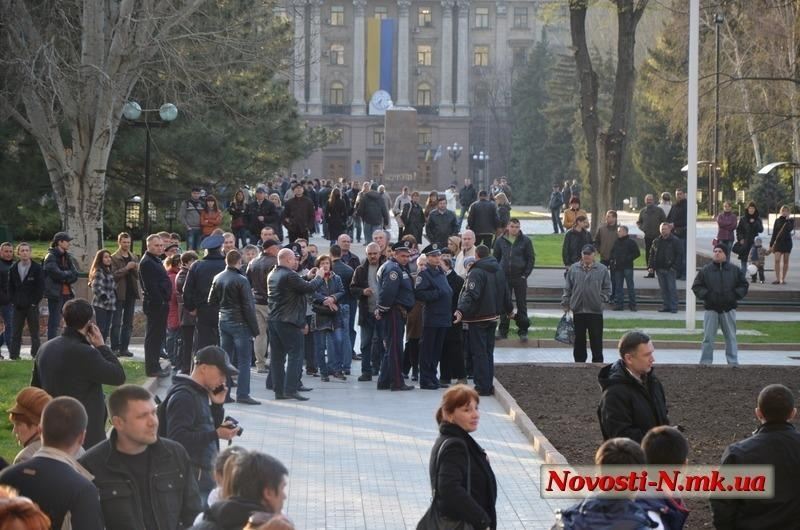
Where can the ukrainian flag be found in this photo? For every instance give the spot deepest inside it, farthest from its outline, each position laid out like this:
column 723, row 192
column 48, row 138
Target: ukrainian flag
column 381, row 36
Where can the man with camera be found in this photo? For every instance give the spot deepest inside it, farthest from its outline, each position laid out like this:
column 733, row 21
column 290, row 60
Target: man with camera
column 195, row 417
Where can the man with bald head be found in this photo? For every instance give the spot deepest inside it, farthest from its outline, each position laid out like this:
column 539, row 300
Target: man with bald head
column 286, row 297
column 467, row 250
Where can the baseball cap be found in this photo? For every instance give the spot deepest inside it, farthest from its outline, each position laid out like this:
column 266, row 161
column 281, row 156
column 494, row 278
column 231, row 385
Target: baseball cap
column 61, row 236
column 30, row 403
column 261, row 189
column 588, row 249
column 215, row 356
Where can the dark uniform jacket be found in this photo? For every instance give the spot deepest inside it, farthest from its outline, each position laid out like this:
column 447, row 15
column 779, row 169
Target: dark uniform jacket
column 286, row 293
column 198, row 281
column 720, row 286
column 267, row 210
column 515, row 259
column 433, row 289
column 485, row 295
column 173, row 490
column 777, row 444
column 574, row 242
column 27, row 292
column 230, row 514
column 396, row 287
column 358, row 284
column 154, row 281
column 624, row 253
column 627, row 407
column 482, row 217
column 231, row 291
column 69, row 366
column 298, row 214
column 477, row 506
column 59, row 269
column 440, row 226
column 257, row 272
column 665, row 254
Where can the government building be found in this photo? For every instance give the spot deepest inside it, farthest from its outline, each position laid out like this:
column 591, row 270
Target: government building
column 453, row 61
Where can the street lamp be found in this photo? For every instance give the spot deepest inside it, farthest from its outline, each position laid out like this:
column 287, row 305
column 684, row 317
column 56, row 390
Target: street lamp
column 454, row 151
column 482, row 159
column 138, row 117
column 133, row 214
column 171, row 213
column 718, row 20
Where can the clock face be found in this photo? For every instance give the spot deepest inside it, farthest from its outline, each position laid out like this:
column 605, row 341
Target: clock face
column 381, row 99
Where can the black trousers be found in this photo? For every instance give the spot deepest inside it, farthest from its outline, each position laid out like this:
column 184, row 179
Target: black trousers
column 431, row 346
column 154, row 335
column 484, row 239
column 30, row 315
column 186, row 349
column 648, row 242
column 593, row 323
column 294, row 236
column 519, row 290
column 207, row 327
column 452, row 363
column 411, row 357
column 480, row 336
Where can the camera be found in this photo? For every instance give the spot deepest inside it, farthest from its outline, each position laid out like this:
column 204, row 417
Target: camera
column 232, row 423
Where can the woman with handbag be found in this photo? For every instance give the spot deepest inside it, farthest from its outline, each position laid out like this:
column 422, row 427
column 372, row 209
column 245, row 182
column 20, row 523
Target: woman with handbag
column 781, row 244
column 463, row 483
column 749, row 227
column 327, row 323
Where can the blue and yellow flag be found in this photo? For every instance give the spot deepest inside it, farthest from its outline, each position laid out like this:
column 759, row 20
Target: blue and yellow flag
column 381, row 37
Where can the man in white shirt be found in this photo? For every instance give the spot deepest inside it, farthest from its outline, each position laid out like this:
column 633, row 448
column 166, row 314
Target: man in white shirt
column 467, row 250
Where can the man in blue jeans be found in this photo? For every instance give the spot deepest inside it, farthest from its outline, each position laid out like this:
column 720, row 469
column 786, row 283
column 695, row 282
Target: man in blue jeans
column 666, row 256
column 189, row 216
column 364, row 288
column 231, row 291
column 286, row 295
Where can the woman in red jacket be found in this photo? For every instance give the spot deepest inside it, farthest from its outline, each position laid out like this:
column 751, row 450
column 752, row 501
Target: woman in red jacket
column 210, row 216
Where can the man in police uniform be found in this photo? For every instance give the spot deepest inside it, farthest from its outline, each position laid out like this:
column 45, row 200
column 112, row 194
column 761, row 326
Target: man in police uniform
column 395, row 299
column 433, row 289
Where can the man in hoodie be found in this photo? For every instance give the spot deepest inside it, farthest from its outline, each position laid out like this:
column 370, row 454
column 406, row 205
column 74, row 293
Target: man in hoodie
column 372, row 210
column 59, row 275
column 189, row 216
column 720, row 285
column 514, row 251
column 633, row 400
column 587, row 288
column 483, row 299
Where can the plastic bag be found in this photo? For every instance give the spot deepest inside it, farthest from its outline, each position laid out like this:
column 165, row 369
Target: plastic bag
column 565, row 331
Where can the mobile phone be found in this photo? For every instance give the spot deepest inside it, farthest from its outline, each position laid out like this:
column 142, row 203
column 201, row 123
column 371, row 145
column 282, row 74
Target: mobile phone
column 219, row 389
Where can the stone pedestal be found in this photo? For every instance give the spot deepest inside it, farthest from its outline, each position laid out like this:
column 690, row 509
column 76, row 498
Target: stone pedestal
column 400, row 148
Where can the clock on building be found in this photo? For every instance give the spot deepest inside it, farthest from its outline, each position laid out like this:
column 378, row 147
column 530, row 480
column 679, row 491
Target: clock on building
column 380, row 102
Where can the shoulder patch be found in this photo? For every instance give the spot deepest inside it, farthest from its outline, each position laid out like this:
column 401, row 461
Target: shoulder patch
column 471, row 285
column 393, row 275
column 419, row 280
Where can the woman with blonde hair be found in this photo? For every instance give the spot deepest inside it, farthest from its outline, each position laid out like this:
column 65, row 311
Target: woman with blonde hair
column 503, row 212
column 454, row 245
column 781, row 244
column 104, row 290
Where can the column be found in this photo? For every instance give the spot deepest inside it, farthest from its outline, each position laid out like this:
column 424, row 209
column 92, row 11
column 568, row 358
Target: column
column 501, row 53
column 402, row 53
column 315, row 73
column 358, row 107
column 299, row 7
column 462, row 80
column 446, row 94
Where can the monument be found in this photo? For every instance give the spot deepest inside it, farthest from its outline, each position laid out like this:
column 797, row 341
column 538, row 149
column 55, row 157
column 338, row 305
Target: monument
column 400, row 148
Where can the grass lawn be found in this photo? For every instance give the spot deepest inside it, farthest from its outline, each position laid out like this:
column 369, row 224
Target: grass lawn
column 17, row 375
column 770, row 332
column 548, row 251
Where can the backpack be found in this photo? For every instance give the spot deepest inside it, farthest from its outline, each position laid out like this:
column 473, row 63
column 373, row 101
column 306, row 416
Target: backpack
column 161, row 409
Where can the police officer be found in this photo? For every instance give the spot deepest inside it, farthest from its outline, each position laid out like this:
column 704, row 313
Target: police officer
column 395, row 299
column 433, row 289
column 483, row 299
column 197, row 288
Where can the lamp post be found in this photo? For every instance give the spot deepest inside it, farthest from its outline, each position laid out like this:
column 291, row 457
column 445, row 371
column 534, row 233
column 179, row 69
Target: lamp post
column 133, row 214
column 718, row 20
column 454, row 151
column 138, row 117
column 482, row 159
column 171, row 213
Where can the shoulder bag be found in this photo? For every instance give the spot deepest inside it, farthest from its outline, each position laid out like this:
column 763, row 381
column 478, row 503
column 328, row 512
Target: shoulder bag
column 433, row 520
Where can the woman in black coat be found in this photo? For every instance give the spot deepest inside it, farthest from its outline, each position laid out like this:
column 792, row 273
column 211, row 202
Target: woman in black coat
column 452, row 362
column 336, row 216
column 781, row 244
column 473, row 500
column 747, row 230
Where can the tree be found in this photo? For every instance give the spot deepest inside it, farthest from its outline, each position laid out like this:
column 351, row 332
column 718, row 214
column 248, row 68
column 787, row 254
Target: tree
column 68, row 67
column 606, row 149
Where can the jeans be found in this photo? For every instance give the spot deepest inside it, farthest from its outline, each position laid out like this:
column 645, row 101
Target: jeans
column 154, row 334
column 558, row 226
column 207, row 326
column 285, row 341
column 728, row 244
column 669, row 291
column 103, row 318
column 480, row 337
column 618, row 277
column 357, row 227
column 369, row 230
column 7, row 311
column 193, row 237
column 262, row 341
column 332, row 341
column 237, row 340
column 353, row 305
column 464, row 211
column 518, row 285
column 173, row 345
column 681, row 274
column 54, row 307
column 31, row 315
column 370, row 346
column 186, row 350
column 345, row 343
column 122, row 324
column 242, row 237
column 593, row 323
column 712, row 321
column 648, row 243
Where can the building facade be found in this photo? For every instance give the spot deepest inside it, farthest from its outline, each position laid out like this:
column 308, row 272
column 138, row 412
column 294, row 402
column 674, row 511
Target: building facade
column 452, row 60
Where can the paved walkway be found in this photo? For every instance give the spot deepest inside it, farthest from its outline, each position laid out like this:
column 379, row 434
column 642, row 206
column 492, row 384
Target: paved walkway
column 665, row 356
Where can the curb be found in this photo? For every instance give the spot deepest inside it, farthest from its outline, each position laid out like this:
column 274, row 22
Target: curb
column 541, row 445
column 671, row 345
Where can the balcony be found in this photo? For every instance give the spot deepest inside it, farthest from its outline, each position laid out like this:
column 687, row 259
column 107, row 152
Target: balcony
column 427, row 110
column 336, row 109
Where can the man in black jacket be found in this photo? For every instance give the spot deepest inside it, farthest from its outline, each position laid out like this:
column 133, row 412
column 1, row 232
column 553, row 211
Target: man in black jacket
column 441, row 224
column 194, row 413
column 197, row 287
column 59, row 275
column 261, row 212
column 623, row 254
column 299, row 214
column 373, row 212
column 231, row 292
column 665, row 259
column 678, row 218
column 364, row 287
column 515, row 253
column 775, row 443
column 26, row 289
column 257, row 272
column 6, row 308
column 156, row 290
column 78, row 364
column 466, row 197
column 720, row 285
column 413, row 218
column 483, row 219
column 633, row 400
column 144, row 481
column 575, row 239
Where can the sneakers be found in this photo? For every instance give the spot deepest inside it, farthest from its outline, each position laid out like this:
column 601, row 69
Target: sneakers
column 365, row 377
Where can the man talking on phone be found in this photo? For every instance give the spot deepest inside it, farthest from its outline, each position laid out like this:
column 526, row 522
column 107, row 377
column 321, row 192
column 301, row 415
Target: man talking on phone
column 195, row 414
column 78, row 364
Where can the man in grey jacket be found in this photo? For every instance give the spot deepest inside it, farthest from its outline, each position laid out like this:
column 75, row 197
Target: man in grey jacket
column 588, row 287
column 257, row 272
column 189, row 216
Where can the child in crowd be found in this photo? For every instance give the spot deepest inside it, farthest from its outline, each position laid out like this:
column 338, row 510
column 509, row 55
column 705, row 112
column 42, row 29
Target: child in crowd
column 758, row 255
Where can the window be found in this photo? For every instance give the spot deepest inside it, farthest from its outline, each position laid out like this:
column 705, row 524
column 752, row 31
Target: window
column 519, row 57
column 424, row 136
column 377, row 136
column 424, row 55
column 481, row 17
column 423, row 95
column 480, row 56
column 425, row 17
column 381, row 12
column 520, row 17
column 337, row 54
column 337, row 15
column 336, row 94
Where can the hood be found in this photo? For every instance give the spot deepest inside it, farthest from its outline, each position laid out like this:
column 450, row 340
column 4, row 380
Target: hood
column 614, row 374
column 489, row 264
column 374, row 194
column 233, row 512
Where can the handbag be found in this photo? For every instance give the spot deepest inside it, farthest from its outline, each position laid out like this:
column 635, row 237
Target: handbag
column 737, row 248
column 321, row 309
column 565, row 331
column 432, row 519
